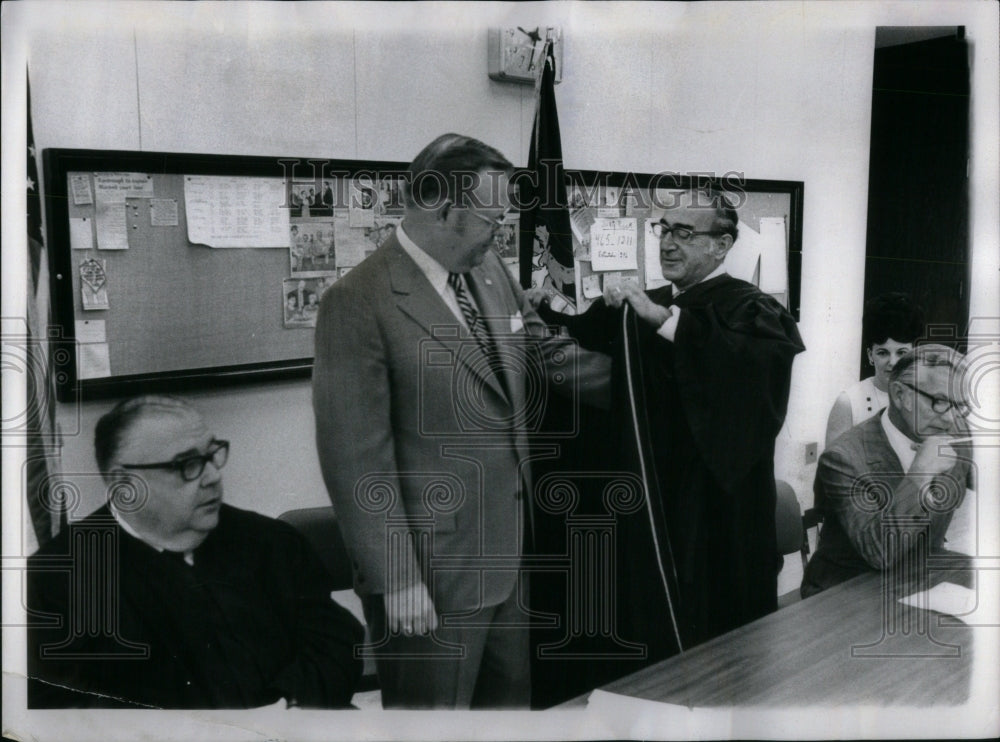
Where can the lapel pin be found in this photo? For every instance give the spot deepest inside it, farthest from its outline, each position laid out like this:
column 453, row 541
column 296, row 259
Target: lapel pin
column 489, row 282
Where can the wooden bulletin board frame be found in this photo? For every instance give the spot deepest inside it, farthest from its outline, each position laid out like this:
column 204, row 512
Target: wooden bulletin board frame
column 156, row 285
column 163, row 283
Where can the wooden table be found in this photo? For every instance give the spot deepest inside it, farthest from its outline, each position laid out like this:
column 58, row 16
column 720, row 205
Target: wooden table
column 851, row 644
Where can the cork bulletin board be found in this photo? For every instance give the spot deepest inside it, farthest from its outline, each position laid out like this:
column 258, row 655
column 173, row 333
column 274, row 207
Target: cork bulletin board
column 177, row 271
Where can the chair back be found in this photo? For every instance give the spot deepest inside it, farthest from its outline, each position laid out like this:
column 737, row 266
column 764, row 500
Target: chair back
column 320, row 529
column 788, row 519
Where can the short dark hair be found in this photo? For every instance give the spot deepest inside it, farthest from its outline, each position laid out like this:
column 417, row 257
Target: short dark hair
column 726, row 217
column 930, row 354
column 114, row 425
column 891, row 315
column 447, row 167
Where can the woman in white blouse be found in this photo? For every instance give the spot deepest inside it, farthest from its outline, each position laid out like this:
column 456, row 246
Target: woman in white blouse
column 890, row 325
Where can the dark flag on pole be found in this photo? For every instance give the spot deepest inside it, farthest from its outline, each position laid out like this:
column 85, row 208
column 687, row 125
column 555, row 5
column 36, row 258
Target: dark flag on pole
column 544, row 191
column 39, row 424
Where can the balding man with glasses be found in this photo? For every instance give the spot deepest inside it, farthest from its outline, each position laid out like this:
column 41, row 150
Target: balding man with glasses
column 701, row 370
column 169, row 598
column 907, row 465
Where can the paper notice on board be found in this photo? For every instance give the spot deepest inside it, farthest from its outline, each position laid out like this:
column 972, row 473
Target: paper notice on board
column 91, row 331
column 112, row 227
column 773, row 256
column 743, row 259
column 93, row 284
column 351, row 244
column 362, row 204
column 81, row 234
column 114, row 188
column 592, row 286
column 163, row 212
column 225, row 211
column 94, row 361
column 79, row 185
column 613, row 245
column 651, row 258
column 616, row 278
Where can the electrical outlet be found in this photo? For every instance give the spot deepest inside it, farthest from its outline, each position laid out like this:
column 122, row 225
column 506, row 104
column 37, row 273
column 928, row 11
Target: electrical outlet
column 811, row 452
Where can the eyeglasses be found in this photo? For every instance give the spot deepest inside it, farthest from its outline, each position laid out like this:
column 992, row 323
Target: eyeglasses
column 682, row 235
column 942, row 404
column 496, row 223
column 192, row 467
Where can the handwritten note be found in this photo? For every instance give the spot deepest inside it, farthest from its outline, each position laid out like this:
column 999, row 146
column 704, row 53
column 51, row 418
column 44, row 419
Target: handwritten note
column 613, row 245
column 114, row 188
column 236, row 211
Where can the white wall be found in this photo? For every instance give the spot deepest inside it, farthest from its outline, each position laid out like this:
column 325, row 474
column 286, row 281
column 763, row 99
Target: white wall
column 777, row 91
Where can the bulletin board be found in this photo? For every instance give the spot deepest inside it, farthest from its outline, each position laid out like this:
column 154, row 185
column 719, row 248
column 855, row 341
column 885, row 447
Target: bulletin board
column 174, row 271
column 611, row 218
column 177, row 271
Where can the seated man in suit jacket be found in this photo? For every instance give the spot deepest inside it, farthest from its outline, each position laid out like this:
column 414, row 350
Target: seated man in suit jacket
column 908, row 461
column 168, row 598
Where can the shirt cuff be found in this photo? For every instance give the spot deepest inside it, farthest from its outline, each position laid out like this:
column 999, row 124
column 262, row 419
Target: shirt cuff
column 669, row 328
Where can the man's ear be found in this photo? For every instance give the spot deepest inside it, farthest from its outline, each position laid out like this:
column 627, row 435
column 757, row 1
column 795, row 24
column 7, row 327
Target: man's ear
column 897, row 395
column 723, row 244
column 445, row 210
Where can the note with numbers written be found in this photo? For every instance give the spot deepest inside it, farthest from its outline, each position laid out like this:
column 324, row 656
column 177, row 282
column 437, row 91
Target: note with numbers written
column 613, row 245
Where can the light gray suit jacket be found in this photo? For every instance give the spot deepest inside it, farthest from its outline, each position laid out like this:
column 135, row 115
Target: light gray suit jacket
column 414, row 433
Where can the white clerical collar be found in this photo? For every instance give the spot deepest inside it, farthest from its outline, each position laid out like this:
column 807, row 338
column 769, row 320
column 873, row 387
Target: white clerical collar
column 717, row 272
column 149, row 541
column 436, row 273
column 901, row 444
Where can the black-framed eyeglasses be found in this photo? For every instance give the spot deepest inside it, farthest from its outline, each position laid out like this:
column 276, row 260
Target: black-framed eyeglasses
column 191, row 467
column 942, row 404
column 682, row 235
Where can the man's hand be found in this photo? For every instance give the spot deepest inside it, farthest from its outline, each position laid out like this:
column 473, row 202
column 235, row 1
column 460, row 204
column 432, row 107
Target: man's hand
column 410, row 610
column 647, row 310
column 934, row 456
column 537, row 296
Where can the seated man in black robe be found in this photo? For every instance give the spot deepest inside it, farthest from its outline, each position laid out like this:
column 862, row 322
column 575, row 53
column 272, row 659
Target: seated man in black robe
column 167, row 598
column 701, row 370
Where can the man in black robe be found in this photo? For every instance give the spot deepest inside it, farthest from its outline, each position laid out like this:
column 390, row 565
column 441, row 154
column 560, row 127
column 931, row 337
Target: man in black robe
column 701, row 372
column 167, row 598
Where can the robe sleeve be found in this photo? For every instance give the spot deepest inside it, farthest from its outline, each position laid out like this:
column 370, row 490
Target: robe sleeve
column 733, row 360
column 324, row 672
column 595, row 329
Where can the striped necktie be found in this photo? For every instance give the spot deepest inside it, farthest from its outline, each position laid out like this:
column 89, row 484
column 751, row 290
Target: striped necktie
column 476, row 325
column 478, row 328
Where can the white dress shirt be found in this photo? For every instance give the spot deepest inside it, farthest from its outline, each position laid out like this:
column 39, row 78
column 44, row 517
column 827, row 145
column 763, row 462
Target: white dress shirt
column 669, row 328
column 437, row 274
column 902, row 446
